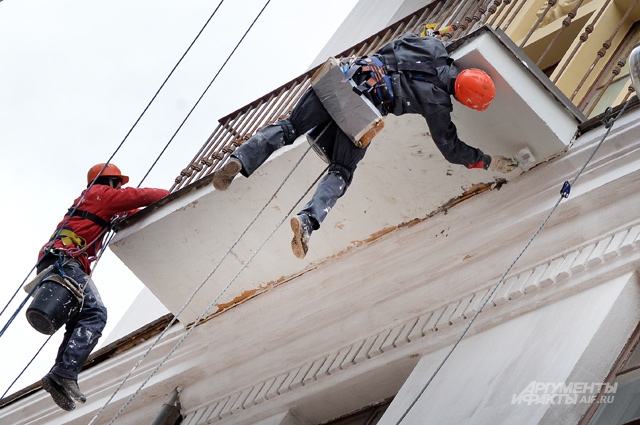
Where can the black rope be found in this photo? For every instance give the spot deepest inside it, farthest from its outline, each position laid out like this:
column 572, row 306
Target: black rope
column 204, row 92
column 608, row 121
column 118, row 148
column 28, row 364
column 74, row 208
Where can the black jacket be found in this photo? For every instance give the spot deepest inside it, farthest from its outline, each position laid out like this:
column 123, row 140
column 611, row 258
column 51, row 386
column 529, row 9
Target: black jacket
column 429, row 93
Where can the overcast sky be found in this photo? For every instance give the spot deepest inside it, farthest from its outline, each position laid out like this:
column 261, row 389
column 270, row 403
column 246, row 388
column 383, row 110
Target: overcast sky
column 75, row 76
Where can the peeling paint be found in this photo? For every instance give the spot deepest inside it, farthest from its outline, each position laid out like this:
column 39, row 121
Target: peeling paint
column 240, row 298
column 468, row 193
column 250, row 293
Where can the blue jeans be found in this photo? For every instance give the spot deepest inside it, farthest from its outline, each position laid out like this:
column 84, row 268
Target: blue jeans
column 82, row 331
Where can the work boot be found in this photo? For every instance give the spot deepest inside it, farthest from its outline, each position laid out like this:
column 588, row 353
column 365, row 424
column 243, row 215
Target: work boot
column 301, row 226
column 223, row 177
column 70, row 386
column 59, row 395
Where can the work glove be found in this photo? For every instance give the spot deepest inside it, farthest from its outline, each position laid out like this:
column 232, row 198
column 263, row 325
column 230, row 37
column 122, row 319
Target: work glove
column 502, row 164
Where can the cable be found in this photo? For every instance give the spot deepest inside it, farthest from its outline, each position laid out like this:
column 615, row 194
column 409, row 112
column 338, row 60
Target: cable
column 199, row 287
column 17, row 290
column 27, row 366
column 204, row 313
column 131, row 129
column 144, row 111
column 608, row 121
column 205, row 91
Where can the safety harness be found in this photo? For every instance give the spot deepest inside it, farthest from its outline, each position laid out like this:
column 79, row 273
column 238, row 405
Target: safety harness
column 371, row 80
column 371, row 76
column 89, row 216
column 69, row 237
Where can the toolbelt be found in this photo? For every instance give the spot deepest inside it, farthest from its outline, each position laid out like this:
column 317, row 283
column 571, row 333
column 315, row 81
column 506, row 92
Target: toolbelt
column 50, row 274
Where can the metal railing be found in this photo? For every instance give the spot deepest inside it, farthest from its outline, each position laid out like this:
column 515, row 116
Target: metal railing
column 464, row 16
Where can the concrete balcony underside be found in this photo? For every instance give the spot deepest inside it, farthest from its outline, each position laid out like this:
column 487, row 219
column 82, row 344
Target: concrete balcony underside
column 190, row 242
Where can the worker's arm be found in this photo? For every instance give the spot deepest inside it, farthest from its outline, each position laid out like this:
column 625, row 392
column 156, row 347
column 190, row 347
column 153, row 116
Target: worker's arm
column 445, row 136
column 129, row 199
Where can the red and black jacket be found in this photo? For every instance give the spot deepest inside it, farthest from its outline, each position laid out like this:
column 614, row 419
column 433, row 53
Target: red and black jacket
column 93, row 213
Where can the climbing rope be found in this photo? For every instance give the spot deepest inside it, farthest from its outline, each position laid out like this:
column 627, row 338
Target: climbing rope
column 199, row 287
column 608, row 121
column 26, row 367
column 31, row 292
column 74, row 208
column 206, row 90
column 144, row 111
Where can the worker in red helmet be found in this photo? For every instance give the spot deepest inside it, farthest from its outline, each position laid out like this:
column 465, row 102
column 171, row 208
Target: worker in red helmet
column 409, row 75
column 73, row 246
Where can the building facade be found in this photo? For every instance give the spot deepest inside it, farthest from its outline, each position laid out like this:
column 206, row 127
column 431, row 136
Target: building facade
column 432, row 294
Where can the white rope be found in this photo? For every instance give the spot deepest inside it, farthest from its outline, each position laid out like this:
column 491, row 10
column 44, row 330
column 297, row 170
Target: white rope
column 146, row 353
column 608, row 121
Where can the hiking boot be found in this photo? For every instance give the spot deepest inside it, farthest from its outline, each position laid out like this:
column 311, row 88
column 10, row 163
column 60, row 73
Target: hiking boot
column 223, row 177
column 301, row 226
column 59, row 395
column 70, row 386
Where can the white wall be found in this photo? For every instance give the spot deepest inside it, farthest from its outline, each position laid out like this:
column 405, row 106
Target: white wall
column 478, row 383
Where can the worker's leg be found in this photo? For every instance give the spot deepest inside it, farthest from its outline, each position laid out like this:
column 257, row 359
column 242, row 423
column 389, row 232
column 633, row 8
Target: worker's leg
column 306, row 114
column 82, row 333
column 247, row 158
column 345, row 157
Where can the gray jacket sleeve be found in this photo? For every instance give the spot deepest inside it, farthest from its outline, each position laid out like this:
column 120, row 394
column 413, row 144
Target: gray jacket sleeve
column 445, row 136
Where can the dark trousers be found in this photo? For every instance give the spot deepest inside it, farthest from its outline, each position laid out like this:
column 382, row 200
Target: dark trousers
column 82, row 331
column 308, row 114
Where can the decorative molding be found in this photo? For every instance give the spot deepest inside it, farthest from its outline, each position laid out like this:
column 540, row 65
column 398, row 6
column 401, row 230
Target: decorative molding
column 512, row 288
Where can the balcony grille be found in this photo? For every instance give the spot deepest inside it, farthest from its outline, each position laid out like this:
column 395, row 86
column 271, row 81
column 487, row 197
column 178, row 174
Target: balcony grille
column 554, row 20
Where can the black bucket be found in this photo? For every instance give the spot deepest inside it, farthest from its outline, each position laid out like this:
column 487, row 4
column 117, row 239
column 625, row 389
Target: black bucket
column 52, row 306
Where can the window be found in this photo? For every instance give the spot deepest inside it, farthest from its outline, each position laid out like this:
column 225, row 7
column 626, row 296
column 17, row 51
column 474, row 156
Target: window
column 368, row 416
column 620, row 406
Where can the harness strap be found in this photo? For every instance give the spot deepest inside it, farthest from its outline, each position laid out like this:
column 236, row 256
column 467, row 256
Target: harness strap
column 378, row 82
column 68, row 237
column 49, row 274
column 89, row 216
column 425, row 71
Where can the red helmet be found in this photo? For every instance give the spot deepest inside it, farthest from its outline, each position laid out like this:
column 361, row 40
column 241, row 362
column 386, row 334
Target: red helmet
column 475, row 89
column 109, row 171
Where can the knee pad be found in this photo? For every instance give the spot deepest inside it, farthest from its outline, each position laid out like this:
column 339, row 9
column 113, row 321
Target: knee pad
column 290, row 133
column 342, row 172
